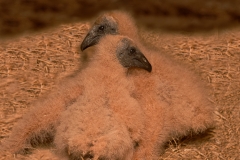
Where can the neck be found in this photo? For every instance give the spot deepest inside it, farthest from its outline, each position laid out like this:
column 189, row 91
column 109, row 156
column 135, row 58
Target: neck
column 102, row 80
column 105, row 73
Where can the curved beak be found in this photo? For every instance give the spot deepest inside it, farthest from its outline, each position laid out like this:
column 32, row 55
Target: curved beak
column 142, row 62
column 90, row 40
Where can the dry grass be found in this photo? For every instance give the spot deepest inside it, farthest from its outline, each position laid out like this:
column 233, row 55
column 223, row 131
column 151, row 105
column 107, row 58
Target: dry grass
column 31, row 66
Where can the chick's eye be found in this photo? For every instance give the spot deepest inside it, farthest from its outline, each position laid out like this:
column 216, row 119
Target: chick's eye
column 101, row 28
column 132, row 50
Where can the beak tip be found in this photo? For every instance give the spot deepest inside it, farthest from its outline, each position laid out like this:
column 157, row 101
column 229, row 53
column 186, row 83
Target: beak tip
column 150, row 69
column 83, row 47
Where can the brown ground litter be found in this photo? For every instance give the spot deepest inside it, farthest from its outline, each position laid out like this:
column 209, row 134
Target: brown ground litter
column 31, row 65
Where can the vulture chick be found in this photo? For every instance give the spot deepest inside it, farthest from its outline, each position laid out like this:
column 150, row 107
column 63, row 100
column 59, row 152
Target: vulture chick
column 105, row 122
column 110, row 127
column 181, row 94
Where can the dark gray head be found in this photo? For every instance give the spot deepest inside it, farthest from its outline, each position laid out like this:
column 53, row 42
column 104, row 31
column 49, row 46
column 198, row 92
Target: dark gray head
column 130, row 56
column 104, row 25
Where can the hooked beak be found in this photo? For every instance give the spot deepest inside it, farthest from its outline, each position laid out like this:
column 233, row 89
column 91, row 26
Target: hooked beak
column 142, row 62
column 90, row 40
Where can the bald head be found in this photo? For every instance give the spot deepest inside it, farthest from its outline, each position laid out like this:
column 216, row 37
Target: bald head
column 125, row 51
column 112, row 23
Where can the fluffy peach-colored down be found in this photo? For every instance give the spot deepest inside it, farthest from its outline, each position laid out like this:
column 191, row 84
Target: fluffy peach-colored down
column 178, row 87
column 38, row 125
column 181, row 95
column 105, row 122
column 170, row 87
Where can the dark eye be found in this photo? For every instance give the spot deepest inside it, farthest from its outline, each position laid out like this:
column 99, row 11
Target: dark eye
column 101, row 28
column 132, row 50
